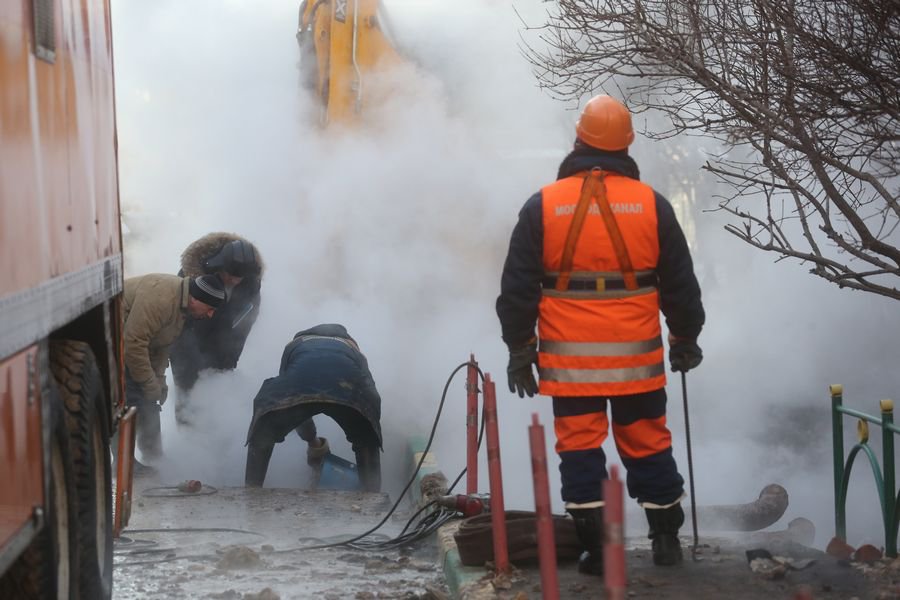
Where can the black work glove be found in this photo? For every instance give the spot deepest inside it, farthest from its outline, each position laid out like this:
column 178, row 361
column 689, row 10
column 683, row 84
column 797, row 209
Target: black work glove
column 519, row 372
column 684, row 355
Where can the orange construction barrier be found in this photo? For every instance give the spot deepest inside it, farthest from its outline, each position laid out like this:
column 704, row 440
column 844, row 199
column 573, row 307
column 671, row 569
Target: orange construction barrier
column 545, row 537
column 498, row 514
column 472, row 426
column 124, row 470
column 614, row 536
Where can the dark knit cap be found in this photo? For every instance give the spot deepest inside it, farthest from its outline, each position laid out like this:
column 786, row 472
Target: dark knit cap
column 208, row 289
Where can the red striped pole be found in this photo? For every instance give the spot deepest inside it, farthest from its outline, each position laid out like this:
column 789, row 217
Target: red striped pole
column 498, row 513
column 472, row 426
column 546, row 541
column 614, row 536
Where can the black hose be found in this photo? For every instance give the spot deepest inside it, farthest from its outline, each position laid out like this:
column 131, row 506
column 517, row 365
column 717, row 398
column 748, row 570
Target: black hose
column 424, row 527
column 409, row 484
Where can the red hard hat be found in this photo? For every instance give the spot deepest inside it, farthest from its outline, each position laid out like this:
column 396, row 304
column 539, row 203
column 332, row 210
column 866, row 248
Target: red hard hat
column 605, row 124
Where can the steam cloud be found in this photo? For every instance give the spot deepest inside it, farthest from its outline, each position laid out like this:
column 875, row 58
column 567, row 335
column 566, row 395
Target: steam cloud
column 399, row 232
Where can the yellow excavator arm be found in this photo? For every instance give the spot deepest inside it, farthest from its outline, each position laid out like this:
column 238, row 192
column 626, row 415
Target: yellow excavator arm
column 343, row 44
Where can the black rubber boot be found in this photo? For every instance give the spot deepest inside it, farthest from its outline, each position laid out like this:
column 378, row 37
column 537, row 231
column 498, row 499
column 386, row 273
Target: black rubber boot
column 149, row 432
column 589, row 528
column 258, row 456
column 664, row 525
column 142, row 470
column 368, row 465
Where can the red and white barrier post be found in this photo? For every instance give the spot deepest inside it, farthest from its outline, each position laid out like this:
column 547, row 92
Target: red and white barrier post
column 472, row 426
column 498, row 513
column 614, row 536
column 546, row 541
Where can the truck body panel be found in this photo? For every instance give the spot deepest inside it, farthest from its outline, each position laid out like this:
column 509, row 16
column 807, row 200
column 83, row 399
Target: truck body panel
column 21, row 449
column 58, row 157
column 60, row 236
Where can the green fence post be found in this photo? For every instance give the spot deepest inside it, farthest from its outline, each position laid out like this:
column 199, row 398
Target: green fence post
column 890, row 492
column 837, row 432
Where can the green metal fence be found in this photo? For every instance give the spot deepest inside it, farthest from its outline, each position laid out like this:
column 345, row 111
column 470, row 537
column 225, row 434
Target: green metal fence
column 884, row 479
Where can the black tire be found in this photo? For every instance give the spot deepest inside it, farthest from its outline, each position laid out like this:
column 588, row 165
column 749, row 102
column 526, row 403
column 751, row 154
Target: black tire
column 47, row 569
column 81, row 390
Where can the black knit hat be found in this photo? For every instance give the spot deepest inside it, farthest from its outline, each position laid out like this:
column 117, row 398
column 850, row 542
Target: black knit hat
column 208, row 289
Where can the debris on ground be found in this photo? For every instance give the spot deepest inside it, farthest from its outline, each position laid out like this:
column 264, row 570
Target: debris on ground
column 839, row 549
column 432, row 486
column 190, row 486
column 265, row 594
column 239, row 557
column 867, row 553
column 768, row 566
column 380, row 565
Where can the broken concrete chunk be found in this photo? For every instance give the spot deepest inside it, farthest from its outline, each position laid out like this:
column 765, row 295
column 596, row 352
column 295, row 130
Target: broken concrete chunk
column 239, row 557
column 867, row 553
column 768, row 568
column 265, row 594
column 839, row 549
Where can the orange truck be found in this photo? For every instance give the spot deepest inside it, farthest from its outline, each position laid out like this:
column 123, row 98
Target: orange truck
column 61, row 374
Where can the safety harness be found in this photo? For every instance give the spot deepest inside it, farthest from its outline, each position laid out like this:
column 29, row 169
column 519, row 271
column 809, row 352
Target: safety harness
column 594, row 190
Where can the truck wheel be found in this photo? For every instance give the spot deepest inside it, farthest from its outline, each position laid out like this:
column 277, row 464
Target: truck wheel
column 46, row 570
column 80, row 387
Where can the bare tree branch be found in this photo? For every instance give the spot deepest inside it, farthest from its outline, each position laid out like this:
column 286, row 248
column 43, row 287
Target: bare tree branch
column 804, row 95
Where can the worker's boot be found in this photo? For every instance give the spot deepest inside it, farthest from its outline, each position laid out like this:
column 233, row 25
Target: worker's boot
column 258, row 456
column 589, row 529
column 664, row 525
column 368, row 465
column 149, row 432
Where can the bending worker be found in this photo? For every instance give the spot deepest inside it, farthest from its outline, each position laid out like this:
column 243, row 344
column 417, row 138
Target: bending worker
column 322, row 372
column 592, row 260
column 218, row 342
column 156, row 308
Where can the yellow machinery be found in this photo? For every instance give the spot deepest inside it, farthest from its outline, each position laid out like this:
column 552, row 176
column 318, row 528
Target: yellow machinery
column 343, row 43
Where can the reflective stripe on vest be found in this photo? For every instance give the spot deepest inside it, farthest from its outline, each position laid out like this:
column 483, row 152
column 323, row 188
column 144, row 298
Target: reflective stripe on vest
column 601, row 348
column 602, row 375
column 600, row 341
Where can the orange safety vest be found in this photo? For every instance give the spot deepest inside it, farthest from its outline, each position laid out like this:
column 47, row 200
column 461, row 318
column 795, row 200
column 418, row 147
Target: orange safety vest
column 598, row 323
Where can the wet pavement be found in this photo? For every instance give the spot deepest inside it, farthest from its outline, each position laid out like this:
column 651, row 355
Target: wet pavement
column 249, row 544
column 721, row 571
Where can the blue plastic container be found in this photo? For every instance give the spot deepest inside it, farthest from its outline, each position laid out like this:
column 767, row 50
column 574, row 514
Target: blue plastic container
column 338, row 474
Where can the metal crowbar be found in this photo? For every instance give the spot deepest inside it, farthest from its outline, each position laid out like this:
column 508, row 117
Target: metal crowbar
column 687, row 435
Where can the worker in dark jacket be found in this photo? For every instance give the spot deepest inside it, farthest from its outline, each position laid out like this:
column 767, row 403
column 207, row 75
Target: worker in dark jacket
column 322, row 372
column 218, row 342
column 592, row 260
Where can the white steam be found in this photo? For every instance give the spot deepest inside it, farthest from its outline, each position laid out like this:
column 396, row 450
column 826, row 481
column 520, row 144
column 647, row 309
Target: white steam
column 399, row 232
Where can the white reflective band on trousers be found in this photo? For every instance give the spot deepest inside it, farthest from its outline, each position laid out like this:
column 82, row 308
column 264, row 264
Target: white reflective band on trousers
column 594, row 504
column 651, row 506
column 600, row 348
column 602, row 375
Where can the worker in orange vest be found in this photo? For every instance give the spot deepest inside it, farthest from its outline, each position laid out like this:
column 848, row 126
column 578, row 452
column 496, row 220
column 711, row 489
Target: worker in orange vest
column 592, row 260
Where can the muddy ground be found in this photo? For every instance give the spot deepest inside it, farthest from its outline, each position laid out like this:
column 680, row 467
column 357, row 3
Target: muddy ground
column 245, row 544
column 248, row 544
column 723, row 571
